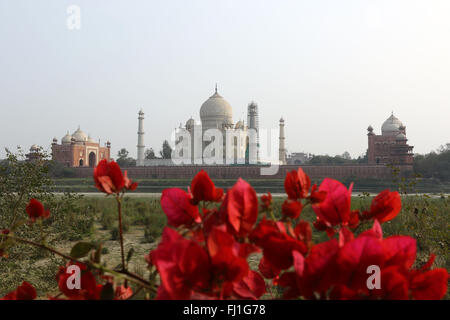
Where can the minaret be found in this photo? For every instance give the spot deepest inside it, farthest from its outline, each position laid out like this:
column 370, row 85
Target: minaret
column 282, row 149
column 253, row 123
column 140, row 145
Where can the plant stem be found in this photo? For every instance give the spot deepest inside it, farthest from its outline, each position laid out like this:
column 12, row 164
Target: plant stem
column 119, row 206
column 125, row 274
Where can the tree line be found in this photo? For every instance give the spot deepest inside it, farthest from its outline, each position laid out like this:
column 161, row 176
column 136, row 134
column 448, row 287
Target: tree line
column 124, row 160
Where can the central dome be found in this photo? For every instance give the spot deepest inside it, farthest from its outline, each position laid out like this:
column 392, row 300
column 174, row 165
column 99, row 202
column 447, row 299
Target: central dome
column 80, row 136
column 215, row 112
column 391, row 127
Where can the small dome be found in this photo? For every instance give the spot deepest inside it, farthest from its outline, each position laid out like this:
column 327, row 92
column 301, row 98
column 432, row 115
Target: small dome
column 34, row 148
column 66, row 139
column 391, row 127
column 401, row 136
column 190, row 123
column 370, row 128
column 79, row 136
column 239, row 125
column 91, row 140
column 215, row 111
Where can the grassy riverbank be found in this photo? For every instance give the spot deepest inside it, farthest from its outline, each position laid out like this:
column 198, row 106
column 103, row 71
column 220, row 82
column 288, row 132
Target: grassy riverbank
column 426, row 219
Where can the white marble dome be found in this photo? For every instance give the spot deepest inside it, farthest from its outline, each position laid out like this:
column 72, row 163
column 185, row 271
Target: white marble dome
column 401, row 136
column 215, row 112
column 79, row 135
column 391, row 127
column 91, row 140
column 66, row 139
column 190, row 123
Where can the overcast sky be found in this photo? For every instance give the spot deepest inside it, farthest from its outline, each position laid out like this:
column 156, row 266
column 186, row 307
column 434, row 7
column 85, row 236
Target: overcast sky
column 330, row 68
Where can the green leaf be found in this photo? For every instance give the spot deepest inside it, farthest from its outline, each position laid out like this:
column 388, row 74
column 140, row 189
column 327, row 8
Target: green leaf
column 81, row 249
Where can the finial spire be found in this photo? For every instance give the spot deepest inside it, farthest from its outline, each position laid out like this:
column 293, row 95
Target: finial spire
column 216, row 87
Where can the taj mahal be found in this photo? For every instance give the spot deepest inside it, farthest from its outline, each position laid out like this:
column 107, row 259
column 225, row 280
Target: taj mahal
column 217, row 139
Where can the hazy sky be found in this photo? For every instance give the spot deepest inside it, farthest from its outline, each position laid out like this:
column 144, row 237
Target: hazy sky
column 330, row 68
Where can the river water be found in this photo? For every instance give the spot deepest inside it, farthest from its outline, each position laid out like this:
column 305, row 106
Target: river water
column 275, row 195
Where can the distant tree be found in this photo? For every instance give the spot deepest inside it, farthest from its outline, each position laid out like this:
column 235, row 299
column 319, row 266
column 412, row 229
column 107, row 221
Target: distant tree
column 346, row 155
column 150, row 154
column 434, row 164
column 166, row 152
column 123, row 160
column 122, row 154
column 362, row 158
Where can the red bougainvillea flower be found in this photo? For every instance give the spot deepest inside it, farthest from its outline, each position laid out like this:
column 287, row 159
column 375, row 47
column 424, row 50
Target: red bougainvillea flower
column 239, row 209
column 123, row 293
column 109, row 178
column 428, row 284
column 335, row 209
column 229, row 264
column 89, row 290
column 203, row 189
column 317, row 196
column 355, row 257
column 266, row 200
column 303, row 233
column 267, row 269
column 297, row 184
column 183, row 266
column 252, row 286
column 277, row 245
column 385, row 206
column 23, row 292
column 36, row 210
column 313, row 274
column 130, row 185
column 177, row 206
column 291, row 208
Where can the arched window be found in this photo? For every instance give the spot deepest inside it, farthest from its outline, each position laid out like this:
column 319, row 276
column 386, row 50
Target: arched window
column 81, row 162
column 92, row 159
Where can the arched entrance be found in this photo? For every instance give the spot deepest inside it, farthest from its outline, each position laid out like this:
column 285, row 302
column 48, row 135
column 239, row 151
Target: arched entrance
column 92, row 159
column 81, row 162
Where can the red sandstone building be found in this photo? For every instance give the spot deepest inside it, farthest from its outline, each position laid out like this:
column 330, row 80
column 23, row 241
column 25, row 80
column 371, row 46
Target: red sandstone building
column 79, row 150
column 391, row 146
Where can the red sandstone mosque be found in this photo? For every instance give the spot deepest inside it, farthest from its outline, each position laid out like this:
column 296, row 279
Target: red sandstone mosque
column 391, row 146
column 79, row 150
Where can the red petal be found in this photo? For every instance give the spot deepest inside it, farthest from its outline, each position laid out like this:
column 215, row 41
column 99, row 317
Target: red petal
column 291, row 208
column 251, row 286
column 336, row 207
column 240, row 208
column 400, row 251
column 430, row 285
column 177, row 206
